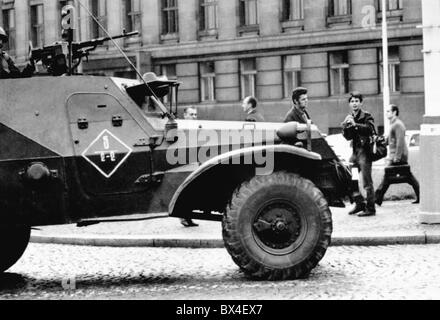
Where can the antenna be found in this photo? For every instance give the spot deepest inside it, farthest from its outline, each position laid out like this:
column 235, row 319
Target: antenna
column 154, row 97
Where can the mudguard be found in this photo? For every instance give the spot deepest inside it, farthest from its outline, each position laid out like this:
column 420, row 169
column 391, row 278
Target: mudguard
column 226, row 158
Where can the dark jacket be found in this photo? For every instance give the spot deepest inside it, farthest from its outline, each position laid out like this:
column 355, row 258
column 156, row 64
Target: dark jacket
column 254, row 116
column 295, row 114
column 9, row 70
column 361, row 132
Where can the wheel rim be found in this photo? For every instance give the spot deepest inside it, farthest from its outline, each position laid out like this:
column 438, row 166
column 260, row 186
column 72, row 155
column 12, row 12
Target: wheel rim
column 279, row 227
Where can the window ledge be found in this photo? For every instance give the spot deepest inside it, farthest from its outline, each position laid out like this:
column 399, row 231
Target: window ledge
column 132, row 41
column 169, row 37
column 292, row 25
column 211, row 34
column 339, row 20
column 207, row 102
column 392, row 16
column 249, row 30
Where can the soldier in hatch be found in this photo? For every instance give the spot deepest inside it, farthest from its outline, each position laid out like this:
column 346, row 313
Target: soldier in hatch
column 8, row 68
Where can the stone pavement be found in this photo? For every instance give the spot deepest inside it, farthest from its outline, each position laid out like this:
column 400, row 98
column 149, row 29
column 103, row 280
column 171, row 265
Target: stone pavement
column 396, row 222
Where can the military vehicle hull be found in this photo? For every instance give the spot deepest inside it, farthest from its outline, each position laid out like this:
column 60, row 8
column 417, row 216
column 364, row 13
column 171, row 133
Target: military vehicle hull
column 79, row 148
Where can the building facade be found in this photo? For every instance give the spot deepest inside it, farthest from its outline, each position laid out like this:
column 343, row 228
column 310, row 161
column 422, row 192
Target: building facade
column 223, row 51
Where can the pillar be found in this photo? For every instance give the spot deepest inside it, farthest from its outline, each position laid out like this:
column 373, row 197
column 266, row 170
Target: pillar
column 430, row 130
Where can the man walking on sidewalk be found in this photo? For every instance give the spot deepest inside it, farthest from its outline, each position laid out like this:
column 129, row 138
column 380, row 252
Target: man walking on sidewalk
column 398, row 155
column 358, row 127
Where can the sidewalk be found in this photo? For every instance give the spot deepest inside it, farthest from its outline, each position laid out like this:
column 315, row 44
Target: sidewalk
column 396, row 222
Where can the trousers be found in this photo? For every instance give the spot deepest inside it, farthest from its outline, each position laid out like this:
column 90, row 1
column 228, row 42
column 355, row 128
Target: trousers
column 386, row 182
column 361, row 161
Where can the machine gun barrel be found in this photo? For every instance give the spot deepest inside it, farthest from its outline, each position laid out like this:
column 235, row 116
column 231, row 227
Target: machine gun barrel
column 100, row 41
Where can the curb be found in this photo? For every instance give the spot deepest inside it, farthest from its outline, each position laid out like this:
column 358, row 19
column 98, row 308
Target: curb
column 382, row 239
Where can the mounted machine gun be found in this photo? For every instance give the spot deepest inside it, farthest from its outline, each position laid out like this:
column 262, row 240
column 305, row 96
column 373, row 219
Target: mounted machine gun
column 56, row 57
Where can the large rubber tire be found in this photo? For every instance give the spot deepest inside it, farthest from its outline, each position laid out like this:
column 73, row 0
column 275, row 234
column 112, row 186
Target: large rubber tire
column 277, row 227
column 13, row 243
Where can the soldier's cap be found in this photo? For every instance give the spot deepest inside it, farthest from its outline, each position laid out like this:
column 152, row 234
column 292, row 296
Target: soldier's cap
column 298, row 92
column 3, row 35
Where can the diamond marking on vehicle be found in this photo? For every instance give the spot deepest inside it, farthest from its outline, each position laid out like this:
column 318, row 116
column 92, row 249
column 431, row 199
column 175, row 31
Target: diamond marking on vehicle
column 107, row 153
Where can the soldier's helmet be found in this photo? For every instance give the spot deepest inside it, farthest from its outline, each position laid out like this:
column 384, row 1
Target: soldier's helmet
column 3, row 35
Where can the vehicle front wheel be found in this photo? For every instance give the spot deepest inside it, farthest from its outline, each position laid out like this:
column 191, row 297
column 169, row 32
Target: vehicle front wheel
column 13, row 243
column 277, row 227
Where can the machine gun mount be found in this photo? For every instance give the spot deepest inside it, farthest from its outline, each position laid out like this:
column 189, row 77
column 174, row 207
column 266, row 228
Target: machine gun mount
column 56, row 57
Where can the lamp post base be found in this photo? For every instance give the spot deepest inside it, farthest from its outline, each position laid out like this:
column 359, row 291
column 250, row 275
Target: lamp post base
column 429, row 218
column 430, row 174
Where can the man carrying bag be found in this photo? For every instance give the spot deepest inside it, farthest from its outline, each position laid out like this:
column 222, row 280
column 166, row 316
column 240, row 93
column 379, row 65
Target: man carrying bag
column 397, row 169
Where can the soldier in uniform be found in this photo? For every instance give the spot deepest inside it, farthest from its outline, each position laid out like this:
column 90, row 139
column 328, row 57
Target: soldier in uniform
column 7, row 66
column 300, row 100
column 250, row 107
column 358, row 127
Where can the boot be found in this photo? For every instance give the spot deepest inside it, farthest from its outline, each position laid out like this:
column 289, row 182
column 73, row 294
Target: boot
column 359, row 205
column 367, row 213
column 188, row 223
column 379, row 198
column 357, row 208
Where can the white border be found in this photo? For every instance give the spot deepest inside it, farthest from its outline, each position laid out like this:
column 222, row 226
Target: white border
column 95, row 165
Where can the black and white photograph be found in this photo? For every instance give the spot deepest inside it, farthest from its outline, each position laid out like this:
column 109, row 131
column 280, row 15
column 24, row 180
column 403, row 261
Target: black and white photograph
column 219, row 154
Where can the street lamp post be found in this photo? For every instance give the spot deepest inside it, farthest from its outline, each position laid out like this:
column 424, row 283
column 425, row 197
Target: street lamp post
column 386, row 71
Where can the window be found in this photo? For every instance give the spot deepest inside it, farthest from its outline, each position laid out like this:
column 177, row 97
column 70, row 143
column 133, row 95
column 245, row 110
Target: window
column 339, row 8
column 208, row 14
column 248, row 73
column 207, row 81
column 393, row 68
column 168, row 70
column 99, row 10
column 133, row 15
column 37, row 25
column 127, row 74
column 339, row 67
column 293, row 10
column 170, row 19
column 391, row 5
column 248, row 12
column 9, row 26
column 292, row 74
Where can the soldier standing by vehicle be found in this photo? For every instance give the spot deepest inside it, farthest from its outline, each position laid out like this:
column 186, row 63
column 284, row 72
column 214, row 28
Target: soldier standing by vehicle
column 250, row 107
column 7, row 66
column 358, row 127
column 300, row 101
column 398, row 154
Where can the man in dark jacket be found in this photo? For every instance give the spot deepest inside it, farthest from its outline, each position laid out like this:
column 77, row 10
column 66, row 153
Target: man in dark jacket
column 398, row 155
column 358, row 127
column 250, row 107
column 7, row 66
column 298, row 113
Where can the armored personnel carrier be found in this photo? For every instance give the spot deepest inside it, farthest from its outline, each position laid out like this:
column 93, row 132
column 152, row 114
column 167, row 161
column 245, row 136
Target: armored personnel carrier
column 80, row 149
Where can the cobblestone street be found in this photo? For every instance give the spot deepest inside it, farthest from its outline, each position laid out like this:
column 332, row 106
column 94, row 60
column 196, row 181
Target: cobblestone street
column 394, row 272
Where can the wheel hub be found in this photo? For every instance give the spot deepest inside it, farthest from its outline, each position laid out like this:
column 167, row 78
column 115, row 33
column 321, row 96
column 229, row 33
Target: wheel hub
column 278, row 225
